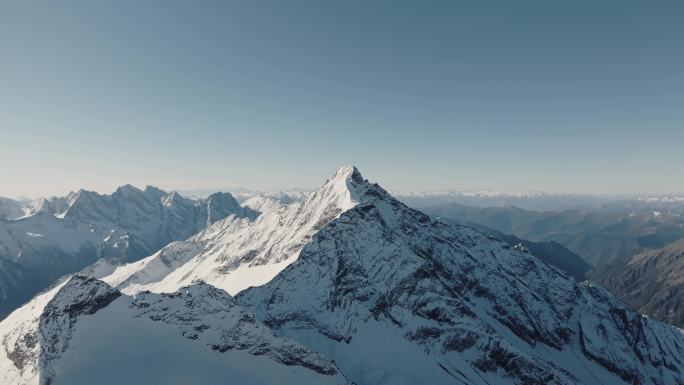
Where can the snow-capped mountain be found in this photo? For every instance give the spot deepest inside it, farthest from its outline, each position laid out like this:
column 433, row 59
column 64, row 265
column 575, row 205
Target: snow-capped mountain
column 394, row 297
column 236, row 253
column 371, row 290
column 13, row 209
column 20, row 208
column 243, row 194
column 63, row 235
column 124, row 226
column 83, row 331
column 268, row 201
column 661, row 199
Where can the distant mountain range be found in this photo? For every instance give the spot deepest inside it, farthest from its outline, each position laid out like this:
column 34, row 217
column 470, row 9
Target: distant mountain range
column 532, row 200
column 652, row 282
column 529, row 200
column 12, row 209
column 58, row 236
column 243, row 194
column 349, row 286
column 598, row 234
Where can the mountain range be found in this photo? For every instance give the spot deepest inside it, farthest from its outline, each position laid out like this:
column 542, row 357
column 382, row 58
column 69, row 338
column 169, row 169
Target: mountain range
column 347, row 286
column 59, row 236
column 528, row 200
column 597, row 234
column 652, row 282
column 12, row 209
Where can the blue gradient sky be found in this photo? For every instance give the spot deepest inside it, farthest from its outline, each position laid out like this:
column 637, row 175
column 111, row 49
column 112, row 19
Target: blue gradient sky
column 572, row 96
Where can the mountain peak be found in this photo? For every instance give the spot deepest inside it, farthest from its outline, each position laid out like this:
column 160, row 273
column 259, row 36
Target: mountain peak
column 347, row 188
column 174, row 198
column 154, row 191
column 81, row 289
column 342, row 190
column 127, row 189
column 256, row 249
column 223, row 196
column 222, row 204
column 347, row 172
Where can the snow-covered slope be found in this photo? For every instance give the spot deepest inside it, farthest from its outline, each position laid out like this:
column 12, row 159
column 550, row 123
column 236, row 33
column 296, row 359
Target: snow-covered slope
column 234, row 254
column 23, row 207
column 397, row 298
column 17, row 285
column 85, row 332
column 12, row 209
column 58, row 236
column 272, row 201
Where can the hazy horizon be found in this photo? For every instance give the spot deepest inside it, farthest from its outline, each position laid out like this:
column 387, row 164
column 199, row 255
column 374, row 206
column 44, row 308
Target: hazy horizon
column 572, row 97
column 207, row 190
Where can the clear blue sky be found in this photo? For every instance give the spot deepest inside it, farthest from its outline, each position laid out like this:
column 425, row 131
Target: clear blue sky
column 572, row 96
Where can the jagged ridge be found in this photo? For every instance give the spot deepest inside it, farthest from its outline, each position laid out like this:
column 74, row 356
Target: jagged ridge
column 234, row 254
column 124, row 226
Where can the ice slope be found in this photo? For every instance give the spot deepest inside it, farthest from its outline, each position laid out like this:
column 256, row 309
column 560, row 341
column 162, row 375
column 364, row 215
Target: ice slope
column 83, row 332
column 394, row 297
column 234, row 254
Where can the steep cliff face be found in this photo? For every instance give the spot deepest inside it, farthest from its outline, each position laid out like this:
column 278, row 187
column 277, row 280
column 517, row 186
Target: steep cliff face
column 651, row 282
